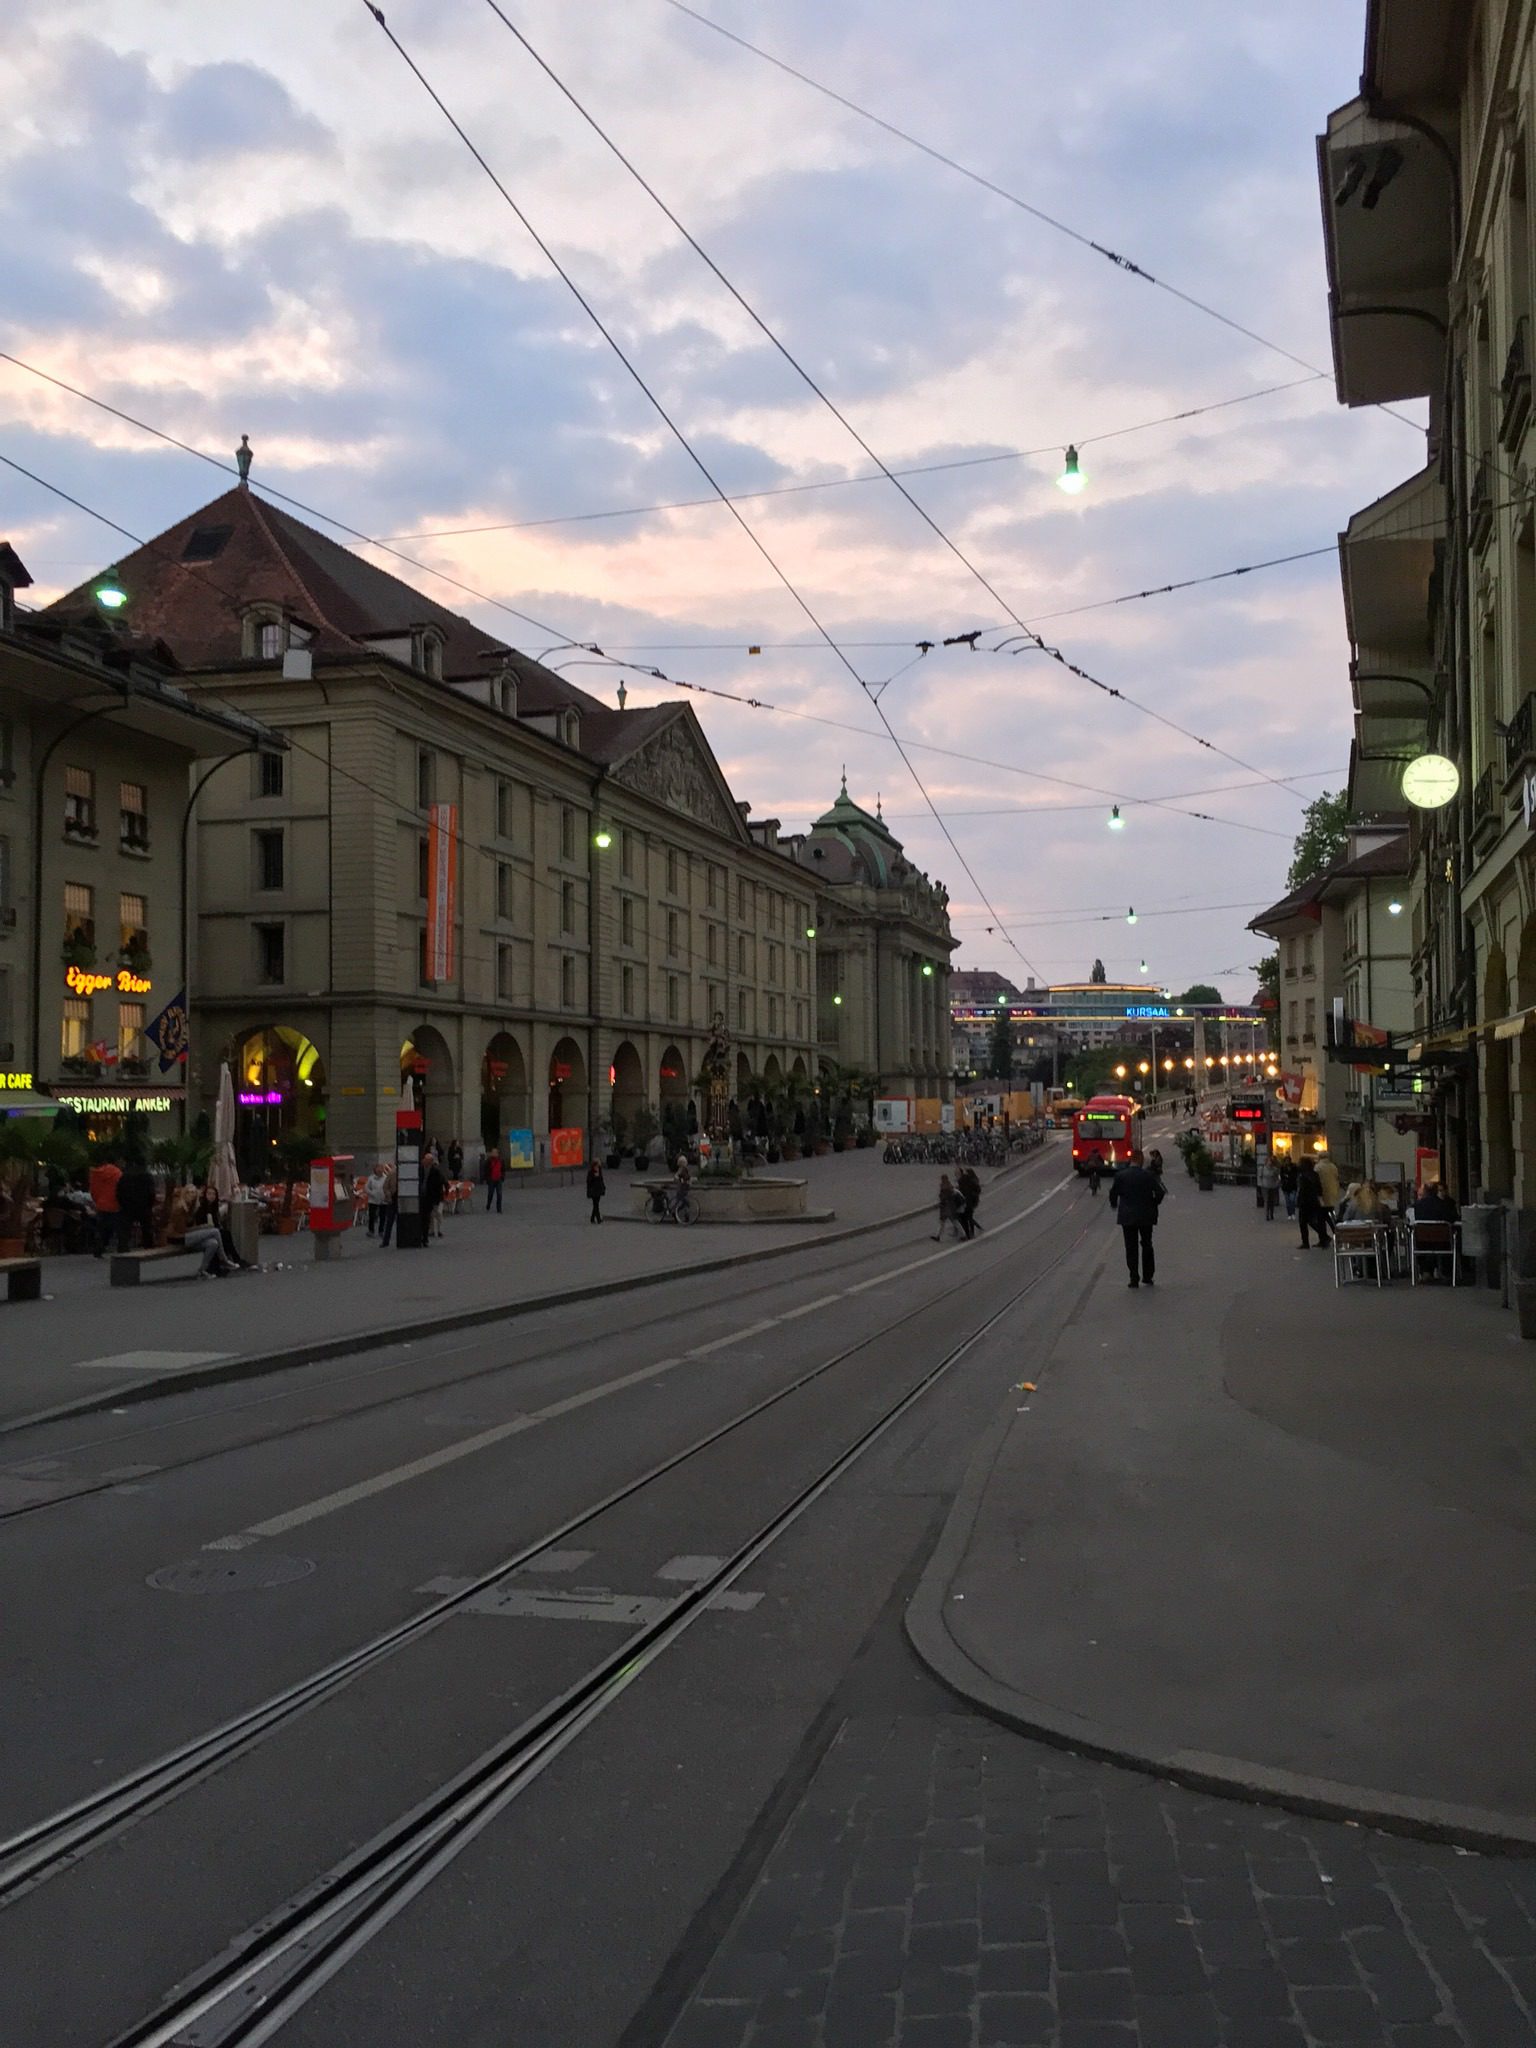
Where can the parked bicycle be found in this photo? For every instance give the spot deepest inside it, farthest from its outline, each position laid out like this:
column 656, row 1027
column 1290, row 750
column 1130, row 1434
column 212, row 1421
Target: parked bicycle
column 671, row 1204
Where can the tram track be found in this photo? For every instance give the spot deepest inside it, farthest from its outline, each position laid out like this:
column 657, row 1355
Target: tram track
column 249, row 1993
column 120, row 1442
column 42, row 1849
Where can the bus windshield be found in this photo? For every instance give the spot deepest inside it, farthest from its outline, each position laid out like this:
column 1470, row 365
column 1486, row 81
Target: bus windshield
column 1101, row 1123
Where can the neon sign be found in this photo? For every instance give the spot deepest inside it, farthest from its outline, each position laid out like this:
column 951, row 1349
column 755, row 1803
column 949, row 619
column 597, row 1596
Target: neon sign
column 15, row 1082
column 81, row 982
column 257, row 1098
column 112, row 1105
column 1147, row 1010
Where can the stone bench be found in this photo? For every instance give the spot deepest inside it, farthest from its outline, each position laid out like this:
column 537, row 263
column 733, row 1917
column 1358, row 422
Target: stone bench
column 126, row 1265
column 23, row 1279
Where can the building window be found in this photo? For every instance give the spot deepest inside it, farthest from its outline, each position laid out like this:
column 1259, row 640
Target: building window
column 799, row 970
column 567, row 833
column 672, row 875
column 741, row 953
column 674, row 998
column 80, row 915
column 74, row 1028
column 271, row 639
column 1310, row 1033
column 627, row 853
column 712, row 887
column 269, row 859
column 741, row 1009
column 271, row 950
column 505, row 973
column 775, row 963
column 775, row 910
column 712, row 944
column 79, row 803
column 426, row 777
column 269, row 774
column 568, row 983
column 627, row 991
column 674, row 933
column 626, row 920
column 423, row 961
column 773, row 1016
column 800, row 1020
column 132, row 817
column 505, row 814
column 130, row 1031
column 7, row 912
column 567, row 906
column 1306, row 955
column 504, row 887
column 133, row 924
column 7, row 752
column 743, row 901
column 432, row 655
column 714, row 998
column 423, row 867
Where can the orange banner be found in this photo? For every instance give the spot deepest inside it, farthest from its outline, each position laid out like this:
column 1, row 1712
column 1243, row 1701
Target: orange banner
column 565, row 1148
column 442, row 890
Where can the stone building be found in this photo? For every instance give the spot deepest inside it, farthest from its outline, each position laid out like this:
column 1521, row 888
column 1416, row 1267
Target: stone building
column 882, row 953
column 96, row 745
column 1426, row 183
column 468, row 879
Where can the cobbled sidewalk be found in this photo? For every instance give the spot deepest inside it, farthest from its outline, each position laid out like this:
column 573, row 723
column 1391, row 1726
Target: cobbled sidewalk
column 947, row 1884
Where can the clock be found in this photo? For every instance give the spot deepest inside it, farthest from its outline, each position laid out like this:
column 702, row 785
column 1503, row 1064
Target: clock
column 1430, row 781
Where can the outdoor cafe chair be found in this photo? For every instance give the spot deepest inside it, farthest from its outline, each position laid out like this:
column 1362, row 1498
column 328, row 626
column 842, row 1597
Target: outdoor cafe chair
column 1353, row 1244
column 1432, row 1240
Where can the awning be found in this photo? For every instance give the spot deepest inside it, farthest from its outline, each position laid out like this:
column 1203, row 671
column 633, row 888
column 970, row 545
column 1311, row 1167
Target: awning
column 27, row 1102
column 1511, row 1027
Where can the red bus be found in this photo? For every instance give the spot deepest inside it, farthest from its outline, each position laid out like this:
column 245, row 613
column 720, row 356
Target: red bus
column 1103, row 1132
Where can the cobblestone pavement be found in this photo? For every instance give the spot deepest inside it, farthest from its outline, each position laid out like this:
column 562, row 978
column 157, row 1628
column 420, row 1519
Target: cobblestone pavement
column 947, row 1884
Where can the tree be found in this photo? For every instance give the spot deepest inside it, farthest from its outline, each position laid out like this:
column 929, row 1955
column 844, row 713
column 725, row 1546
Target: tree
column 1268, row 972
column 1200, row 992
column 1000, row 1053
column 1098, row 973
column 1322, row 838
column 1092, row 1071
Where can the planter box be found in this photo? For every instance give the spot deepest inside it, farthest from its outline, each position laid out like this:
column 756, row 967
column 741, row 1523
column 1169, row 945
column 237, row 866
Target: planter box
column 752, row 1199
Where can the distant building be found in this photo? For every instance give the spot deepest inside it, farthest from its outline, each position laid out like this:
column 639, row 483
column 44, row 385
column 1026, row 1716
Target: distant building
column 882, row 952
column 97, row 745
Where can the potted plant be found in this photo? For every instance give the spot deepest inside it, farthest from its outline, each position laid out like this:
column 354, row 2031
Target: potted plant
column 293, row 1152
column 1203, row 1167
column 79, row 949
column 136, row 956
column 20, row 1139
column 864, row 1137
column 643, row 1128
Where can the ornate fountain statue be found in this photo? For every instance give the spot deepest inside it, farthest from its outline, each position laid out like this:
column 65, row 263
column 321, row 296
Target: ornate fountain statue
column 716, row 1070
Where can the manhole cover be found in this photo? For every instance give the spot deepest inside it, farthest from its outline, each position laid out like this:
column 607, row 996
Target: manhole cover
column 246, row 1572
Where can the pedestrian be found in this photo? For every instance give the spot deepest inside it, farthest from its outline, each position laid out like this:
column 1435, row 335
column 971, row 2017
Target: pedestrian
column 597, row 1187
column 1269, row 1184
column 389, row 1213
column 1135, row 1195
column 433, row 1187
column 495, row 1178
column 1155, row 1162
column 1095, row 1174
column 1288, row 1184
column 213, row 1212
column 455, row 1160
column 111, row 1227
column 1328, row 1181
column 949, row 1208
column 968, row 1188
column 1311, row 1210
column 136, row 1204
column 374, row 1189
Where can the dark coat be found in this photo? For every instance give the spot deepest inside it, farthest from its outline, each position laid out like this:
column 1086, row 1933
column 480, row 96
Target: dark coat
column 1135, row 1194
column 596, row 1185
column 136, row 1193
column 433, row 1187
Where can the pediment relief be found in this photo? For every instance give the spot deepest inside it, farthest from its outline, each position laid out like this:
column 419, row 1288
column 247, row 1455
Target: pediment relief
column 673, row 769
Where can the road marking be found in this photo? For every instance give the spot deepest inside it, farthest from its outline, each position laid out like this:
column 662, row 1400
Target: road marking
column 466, row 1447
column 690, row 1569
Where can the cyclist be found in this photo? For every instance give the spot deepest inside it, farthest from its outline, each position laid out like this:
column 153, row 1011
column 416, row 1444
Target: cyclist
column 682, row 1182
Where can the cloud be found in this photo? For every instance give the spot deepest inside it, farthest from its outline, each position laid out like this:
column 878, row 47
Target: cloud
column 233, row 109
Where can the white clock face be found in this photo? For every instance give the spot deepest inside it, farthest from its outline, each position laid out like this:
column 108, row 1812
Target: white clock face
column 1431, row 781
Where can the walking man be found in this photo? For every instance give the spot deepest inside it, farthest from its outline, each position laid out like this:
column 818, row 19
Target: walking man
column 597, row 1187
column 1135, row 1194
column 968, row 1188
column 375, row 1192
column 495, row 1176
column 1288, row 1184
column 1311, row 1211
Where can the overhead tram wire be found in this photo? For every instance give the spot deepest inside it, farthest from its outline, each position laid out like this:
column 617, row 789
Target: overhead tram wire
column 686, row 445
column 1061, row 227
column 644, row 670
column 1052, row 653
column 839, row 483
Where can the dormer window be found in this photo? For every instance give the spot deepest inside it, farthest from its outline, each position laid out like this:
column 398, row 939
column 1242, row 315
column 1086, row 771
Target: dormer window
column 570, row 728
column 264, row 633
column 428, row 652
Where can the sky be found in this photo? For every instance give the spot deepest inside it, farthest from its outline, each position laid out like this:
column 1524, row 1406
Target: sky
column 234, row 219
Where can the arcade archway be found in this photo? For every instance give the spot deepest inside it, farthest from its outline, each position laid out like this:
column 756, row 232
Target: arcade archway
column 567, row 1087
column 280, row 1088
column 628, row 1079
column 503, row 1090
column 426, row 1064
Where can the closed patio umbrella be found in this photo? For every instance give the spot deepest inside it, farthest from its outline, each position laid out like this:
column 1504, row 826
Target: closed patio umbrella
column 222, row 1170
